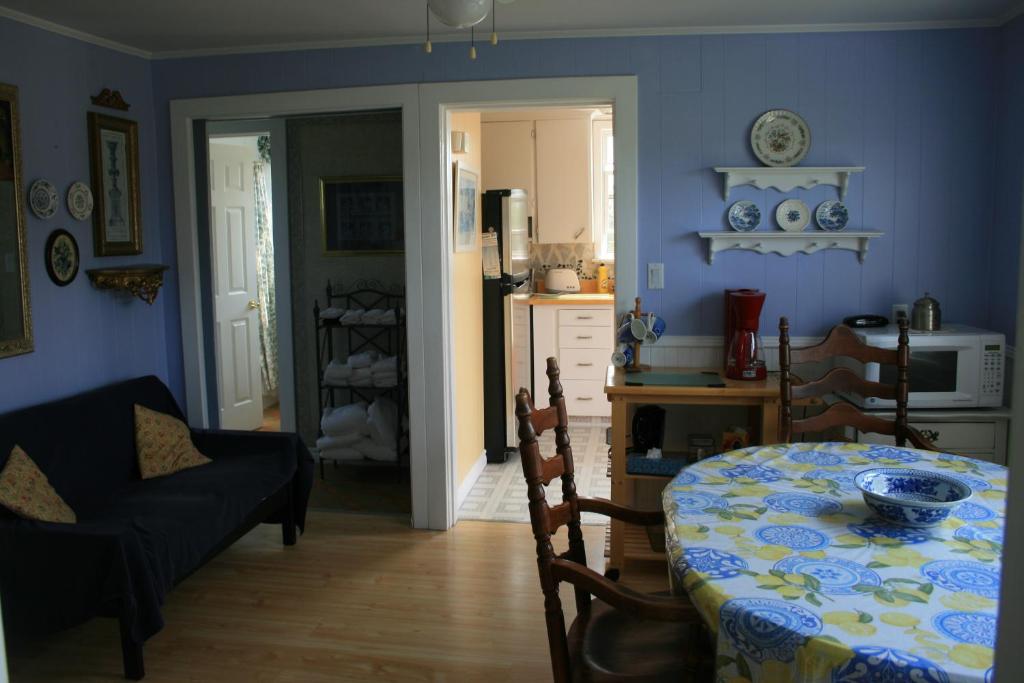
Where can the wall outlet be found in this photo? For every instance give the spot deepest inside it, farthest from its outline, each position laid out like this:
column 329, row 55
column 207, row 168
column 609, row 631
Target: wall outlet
column 655, row 276
column 900, row 311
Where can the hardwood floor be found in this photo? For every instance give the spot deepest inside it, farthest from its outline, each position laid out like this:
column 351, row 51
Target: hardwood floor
column 359, row 598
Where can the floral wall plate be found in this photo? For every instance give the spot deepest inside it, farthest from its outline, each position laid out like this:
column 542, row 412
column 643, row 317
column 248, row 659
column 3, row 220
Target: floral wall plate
column 80, row 201
column 792, row 215
column 43, row 198
column 780, row 138
column 832, row 215
column 61, row 257
column 744, row 216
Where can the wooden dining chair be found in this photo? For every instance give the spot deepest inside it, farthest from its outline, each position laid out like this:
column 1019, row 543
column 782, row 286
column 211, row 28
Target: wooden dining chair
column 841, row 341
column 619, row 634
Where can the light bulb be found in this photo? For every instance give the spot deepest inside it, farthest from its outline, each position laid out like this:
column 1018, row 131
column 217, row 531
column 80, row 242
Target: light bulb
column 494, row 38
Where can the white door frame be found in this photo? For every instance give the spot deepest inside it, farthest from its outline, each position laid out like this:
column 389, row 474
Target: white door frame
column 437, row 101
column 428, row 238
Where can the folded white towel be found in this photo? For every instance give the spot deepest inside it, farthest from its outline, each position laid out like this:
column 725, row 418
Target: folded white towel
column 352, row 316
column 376, row 451
column 386, row 365
column 382, row 417
column 345, row 420
column 340, row 454
column 363, row 360
column 373, row 316
column 332, row 313
column 389, row 318
column 337, row 373
column 340, row 441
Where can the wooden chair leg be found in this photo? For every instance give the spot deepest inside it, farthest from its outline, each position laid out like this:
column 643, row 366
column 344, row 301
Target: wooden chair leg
column 131, row 654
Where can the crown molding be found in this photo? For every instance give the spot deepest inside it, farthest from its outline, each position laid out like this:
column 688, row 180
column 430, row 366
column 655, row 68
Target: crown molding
column 60, row 29
column 509, row 35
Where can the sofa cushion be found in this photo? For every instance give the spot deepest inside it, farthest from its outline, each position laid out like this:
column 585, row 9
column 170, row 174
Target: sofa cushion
column 164, row 444
column 25, row 490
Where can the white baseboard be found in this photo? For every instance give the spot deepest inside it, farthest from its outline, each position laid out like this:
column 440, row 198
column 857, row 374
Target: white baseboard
column 467, row 484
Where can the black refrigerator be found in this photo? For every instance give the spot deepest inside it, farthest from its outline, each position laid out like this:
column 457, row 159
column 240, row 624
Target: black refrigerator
column 506, row 316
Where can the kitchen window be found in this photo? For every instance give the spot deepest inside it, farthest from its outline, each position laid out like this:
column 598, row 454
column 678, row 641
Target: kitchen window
column 604, row 189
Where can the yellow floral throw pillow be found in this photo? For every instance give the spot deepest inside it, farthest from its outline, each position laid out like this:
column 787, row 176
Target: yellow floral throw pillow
column 163, row 444
column 25, row 491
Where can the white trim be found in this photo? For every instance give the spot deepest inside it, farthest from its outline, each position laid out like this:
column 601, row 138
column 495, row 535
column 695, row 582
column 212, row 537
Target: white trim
column 405, row 97
column 63, row 30
column 467, row 484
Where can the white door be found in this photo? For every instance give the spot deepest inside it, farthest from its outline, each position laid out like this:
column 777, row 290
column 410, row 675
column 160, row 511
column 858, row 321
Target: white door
column 235, row 318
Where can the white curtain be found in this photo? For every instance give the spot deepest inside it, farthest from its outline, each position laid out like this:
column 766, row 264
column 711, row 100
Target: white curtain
column 265, row 267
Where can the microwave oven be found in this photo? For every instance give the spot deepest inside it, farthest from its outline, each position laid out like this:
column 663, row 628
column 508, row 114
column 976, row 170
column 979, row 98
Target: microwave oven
column 955, row 367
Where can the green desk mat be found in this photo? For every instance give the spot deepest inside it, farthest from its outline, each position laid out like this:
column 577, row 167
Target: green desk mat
column 672, row 379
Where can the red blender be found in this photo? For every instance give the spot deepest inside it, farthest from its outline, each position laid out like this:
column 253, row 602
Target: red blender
column 744, row 355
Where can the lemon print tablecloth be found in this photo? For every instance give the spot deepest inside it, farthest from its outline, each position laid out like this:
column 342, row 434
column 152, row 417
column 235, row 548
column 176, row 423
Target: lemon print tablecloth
column 800, row 582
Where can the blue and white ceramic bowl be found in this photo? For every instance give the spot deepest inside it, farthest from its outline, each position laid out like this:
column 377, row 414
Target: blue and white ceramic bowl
column 910, row 497
column 744, row 216
column 832, row 215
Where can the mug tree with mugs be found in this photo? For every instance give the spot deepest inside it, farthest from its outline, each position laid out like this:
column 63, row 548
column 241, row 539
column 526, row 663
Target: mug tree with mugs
column 636, row 328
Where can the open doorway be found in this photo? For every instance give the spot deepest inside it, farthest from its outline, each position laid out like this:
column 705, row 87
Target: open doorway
column 541, row 272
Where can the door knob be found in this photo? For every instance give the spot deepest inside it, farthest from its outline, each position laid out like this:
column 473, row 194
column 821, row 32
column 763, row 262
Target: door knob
column 253, row 304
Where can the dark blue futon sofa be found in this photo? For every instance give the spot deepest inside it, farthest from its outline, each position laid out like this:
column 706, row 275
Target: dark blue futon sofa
column 134, row 539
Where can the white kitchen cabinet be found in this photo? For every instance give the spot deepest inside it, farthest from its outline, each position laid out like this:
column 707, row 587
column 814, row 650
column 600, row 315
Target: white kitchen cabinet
column 980, row 434
column 563, row 181
column 507, row 158
column 582, row 338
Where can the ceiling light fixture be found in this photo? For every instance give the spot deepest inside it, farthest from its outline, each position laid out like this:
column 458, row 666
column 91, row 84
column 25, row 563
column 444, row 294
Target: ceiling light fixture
column 461, row 14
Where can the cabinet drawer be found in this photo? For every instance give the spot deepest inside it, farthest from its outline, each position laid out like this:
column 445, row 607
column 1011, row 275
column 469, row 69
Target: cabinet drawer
column 955, row 437
column 585, row 397
column 584, row 363
column 576, row 337
column 589, row 317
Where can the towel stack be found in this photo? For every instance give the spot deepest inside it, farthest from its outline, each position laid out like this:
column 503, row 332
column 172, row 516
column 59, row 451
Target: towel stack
column 365, row 369
column 337, row 373
column 352, row 316
column 331, row 313
column 385, row 372
column 354, row 432
column 380, row 316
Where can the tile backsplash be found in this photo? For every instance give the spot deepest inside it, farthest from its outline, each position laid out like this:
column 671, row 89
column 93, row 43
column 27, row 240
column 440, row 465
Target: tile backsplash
column 575, row 255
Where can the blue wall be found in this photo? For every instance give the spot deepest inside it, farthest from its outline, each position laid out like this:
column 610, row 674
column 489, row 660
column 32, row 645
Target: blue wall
column 83, row 337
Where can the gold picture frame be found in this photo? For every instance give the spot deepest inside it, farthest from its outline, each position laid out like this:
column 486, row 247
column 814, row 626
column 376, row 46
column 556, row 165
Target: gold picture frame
column 114, row 164
column 362, row 215
column 15, row 303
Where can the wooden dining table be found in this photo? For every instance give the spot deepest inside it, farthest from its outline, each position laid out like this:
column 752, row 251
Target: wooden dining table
column 800, row 582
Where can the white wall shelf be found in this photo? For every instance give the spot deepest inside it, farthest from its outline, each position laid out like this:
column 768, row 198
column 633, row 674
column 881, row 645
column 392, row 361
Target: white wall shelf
column 785, row 179
column 787, row 243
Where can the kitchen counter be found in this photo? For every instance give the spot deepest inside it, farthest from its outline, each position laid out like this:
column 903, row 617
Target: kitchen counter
column 571, row 299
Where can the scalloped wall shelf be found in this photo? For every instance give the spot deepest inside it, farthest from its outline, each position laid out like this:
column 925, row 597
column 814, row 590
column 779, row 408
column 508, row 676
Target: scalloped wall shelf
column 788, row 243
column 143, row 280
column 785, row 179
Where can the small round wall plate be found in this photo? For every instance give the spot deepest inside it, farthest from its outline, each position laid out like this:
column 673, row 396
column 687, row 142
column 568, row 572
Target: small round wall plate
column 79, row 201
column 780, row 138
column 61, row 257
column 744, row 216
column 832, row 215
column 792, row 215
column 43, row 198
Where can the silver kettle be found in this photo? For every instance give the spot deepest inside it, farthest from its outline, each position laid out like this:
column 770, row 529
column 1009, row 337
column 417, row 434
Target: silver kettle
column 926, row 315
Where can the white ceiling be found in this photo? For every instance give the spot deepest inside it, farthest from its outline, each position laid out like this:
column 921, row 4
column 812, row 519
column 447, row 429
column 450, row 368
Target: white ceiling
column 165, row 28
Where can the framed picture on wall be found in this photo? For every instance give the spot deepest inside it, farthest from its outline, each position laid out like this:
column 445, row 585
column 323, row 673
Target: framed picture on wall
column 466, row 184
column 362, row 215
column 114, row 163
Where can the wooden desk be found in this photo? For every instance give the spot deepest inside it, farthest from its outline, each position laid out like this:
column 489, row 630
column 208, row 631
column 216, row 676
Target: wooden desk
column 628, row 541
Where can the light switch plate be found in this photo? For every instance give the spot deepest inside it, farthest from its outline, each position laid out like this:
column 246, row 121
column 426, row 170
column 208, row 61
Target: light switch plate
column 655, row 276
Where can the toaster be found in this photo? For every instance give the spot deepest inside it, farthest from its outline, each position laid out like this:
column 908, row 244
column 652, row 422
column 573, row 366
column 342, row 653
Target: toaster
column 561, row 281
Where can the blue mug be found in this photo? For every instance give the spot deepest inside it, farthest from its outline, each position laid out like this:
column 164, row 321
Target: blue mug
column 629, row 333
column 623, row 357
column 655, row 328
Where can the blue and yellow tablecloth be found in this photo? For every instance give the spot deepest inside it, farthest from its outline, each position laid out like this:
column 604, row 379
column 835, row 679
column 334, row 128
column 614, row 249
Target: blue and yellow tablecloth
column 788, row 567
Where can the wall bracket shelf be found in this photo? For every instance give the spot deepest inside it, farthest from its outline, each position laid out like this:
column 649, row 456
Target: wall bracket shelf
column 143, row 281
column 785, row 179
column 787, row 243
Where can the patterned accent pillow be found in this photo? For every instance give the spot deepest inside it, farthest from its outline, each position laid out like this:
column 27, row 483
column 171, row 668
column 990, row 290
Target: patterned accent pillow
column 164, row 444
column 25, row 491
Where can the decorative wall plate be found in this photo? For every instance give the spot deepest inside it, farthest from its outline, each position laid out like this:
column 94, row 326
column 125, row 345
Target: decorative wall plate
column 792, row 215
column 61, row 257
column 832, row 215
column 43, row 198
column 780, row 138
column 80, row 201
column 744, row 216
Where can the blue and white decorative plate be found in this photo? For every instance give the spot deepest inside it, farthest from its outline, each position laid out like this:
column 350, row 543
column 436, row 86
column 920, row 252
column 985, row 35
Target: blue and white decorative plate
column 977, row 533
column 791, row 536
column 844, row 477
column 836, row 575
column 963, row 575
column 715, row 564
column 889, row 453
column 693, row 503
column 780, row 137
column 792, row 215
column 975, row 628
column 816, row 458
column 806, row 504
column 744, row 216
column 763, row 628
column 756, row 472
column 832, row 215
column 972, row 512
column 43, row 198
column 890, row 665
column 878, row 527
